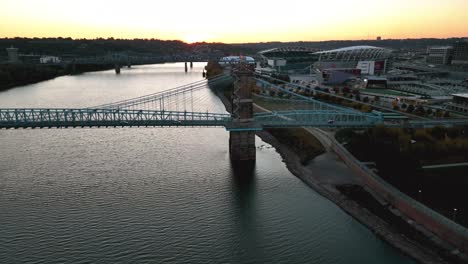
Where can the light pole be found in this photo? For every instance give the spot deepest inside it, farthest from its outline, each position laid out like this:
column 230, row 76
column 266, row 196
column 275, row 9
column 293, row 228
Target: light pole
column 454, row 216
column 420, row 195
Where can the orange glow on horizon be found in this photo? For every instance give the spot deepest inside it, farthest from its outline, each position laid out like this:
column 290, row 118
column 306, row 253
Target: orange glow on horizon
column 210, row 21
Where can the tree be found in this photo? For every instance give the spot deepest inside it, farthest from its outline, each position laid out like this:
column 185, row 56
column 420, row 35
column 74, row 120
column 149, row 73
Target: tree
column 396, row 107
column 422, row 135
column 447, row 114
column 366, row 99
column 438, row 132
column 404, row 106
column 345, row 135
column 453, row 132
column 366, row 108
column 420, row 110
column 410, row 109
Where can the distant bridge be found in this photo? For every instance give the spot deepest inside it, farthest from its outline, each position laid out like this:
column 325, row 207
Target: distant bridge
column 119, row 60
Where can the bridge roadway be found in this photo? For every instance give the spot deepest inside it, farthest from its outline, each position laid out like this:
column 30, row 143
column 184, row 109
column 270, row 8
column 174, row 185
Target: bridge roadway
column 65, row 118
column 129, row 113
column 73, row 118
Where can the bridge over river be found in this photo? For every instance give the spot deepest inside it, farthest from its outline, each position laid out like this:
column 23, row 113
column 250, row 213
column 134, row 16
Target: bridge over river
column 177, row 107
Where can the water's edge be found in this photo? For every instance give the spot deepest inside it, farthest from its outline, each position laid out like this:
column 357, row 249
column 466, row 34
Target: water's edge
column 379, row 227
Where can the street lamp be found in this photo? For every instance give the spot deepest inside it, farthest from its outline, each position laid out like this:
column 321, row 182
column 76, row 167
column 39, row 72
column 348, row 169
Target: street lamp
column 420, row 195
column 454, row 216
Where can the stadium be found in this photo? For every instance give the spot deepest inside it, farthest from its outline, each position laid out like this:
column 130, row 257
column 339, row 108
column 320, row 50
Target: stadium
column 297, row 58
column 354, row 53
column 369, row 59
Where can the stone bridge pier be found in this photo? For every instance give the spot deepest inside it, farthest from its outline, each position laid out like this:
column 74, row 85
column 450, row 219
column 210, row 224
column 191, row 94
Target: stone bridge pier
column 242, row 137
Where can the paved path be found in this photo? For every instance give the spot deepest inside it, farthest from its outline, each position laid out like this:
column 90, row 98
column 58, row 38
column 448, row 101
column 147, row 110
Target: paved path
column 450, row 165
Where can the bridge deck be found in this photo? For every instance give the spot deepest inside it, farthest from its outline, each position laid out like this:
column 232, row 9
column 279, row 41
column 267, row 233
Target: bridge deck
column 39, row 118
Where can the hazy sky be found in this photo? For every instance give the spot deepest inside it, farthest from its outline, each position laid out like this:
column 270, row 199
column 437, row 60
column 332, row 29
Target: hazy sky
column 236, row 20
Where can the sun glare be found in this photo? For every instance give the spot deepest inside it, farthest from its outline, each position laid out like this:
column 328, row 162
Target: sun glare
column 193, row 38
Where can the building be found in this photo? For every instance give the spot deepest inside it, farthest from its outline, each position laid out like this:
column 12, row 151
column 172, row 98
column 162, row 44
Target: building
column 460, row 52
column 379, row 38
column 30, row 58
column 49, row 59
column 370, row 59
column 275, row 62
column 336, row 76
column 439, row 55
column 12, row 55
column 236, row 60
column 459, row 103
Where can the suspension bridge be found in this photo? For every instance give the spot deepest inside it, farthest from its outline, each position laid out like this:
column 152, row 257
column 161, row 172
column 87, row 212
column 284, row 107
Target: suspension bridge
column 185, row 106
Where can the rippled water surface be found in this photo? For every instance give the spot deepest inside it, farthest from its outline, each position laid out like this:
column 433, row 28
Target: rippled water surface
column 157, row 195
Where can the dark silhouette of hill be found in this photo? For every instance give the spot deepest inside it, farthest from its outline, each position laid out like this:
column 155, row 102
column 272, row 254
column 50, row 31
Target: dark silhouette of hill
column 100, row 46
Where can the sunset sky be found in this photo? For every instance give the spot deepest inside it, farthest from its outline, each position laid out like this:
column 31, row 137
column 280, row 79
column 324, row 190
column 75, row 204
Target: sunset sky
column 234, row 21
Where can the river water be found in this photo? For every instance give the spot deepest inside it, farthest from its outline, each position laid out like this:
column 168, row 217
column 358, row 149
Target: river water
column 157, row 195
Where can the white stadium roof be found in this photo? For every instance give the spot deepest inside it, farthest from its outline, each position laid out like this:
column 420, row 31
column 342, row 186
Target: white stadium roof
column 352, row 48
column 354, row 53
column 289, row 49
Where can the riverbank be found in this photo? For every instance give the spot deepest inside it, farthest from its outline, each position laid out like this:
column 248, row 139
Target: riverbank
column 347, row 192
column 13, row 75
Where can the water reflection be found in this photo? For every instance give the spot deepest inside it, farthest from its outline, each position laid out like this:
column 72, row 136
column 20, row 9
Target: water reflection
column 158, row 195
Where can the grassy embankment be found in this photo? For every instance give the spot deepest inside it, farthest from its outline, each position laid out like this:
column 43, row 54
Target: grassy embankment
column 306, row 146
column 299, row 140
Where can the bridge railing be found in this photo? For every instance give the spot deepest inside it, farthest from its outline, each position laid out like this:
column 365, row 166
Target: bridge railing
column 317, row 104
column 314, row 118
column 32, row 118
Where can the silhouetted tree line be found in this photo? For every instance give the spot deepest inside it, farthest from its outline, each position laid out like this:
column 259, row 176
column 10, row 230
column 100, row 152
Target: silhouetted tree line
column 212, row 69
column 399, row 152
column 429, row 144
column 95, row 47
column 11, row 75
column 21, row 74
column 101, row 46
column 332, row 44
